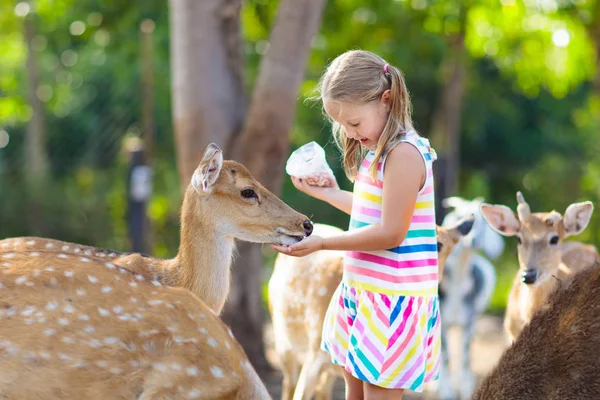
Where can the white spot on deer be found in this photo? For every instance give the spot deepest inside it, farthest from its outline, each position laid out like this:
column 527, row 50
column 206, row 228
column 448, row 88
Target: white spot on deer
column 69, row 309
column 159, row 367
column 110, row 265
column 87, row 253
column 68, row 340
column 21, row 280
column 155, row 302
column 80, row 292
column 134, row 363
column 49, row 269
column 77, row 250
column 51, row 306
column 117, row 277
column 194, row 394
column 8, row 255
column 322, row 291
column 69, row 274
column 37, row 272
column 29, row 310
column 49, row 245
column 94, row 343
column 92, row 279
column 176, row 367
column 192, row 371
column 117, row 309
column 101, row 254
column 83, row 317
column 30, row 242
column 64, row 357
column 63, row 321
column 111, row 340
column 212, row 342
column 6, row 264
column 45, row 355
column 115, row 370
column 156, row 283
column 53, row 281
column 133, row 299
column 112, row 255
column 102, row 363
column 106, row 289
column 216, row 371
column 89, row 329
column 227, row 345
column 103, row 312
column 122, row 271
column 139, row 277
column 65, row 248
column 61, row 255
column 132, row 284
column 49, row 331
column 203, row 330
column 34, row 254
column 85, row 259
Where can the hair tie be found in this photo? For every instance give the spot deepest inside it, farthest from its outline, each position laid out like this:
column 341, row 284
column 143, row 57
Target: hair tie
column 385, row 69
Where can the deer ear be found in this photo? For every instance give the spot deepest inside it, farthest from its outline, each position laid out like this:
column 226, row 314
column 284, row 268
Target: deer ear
column 207, row 173
column 577, row 217
column 500, row 218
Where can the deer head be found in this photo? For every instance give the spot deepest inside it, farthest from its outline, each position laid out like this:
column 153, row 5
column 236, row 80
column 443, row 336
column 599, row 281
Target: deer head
column 448, row 237
column 539, row 235
column 225, row 196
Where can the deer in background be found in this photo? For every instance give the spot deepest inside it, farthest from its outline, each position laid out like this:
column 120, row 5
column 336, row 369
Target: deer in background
column 541, row 261
column 222, row 203
column 81, row 327
column 466, row 288
column 300, row 290
column 556, row 354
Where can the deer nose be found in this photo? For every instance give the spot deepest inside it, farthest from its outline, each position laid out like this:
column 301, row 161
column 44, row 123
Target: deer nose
column 529, row 276
column 308, row 227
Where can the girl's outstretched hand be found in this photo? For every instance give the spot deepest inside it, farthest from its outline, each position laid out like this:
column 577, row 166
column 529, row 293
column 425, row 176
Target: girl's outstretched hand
column 303, row 248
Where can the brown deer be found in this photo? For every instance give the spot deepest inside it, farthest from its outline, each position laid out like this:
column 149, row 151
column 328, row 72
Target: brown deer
column 556, row 354
column 81, row 327
column 300, row 290
column 222, row 203
column 540, row 248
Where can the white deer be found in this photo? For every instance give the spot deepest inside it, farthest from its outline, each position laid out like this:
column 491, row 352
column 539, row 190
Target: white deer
column 465, row 291
column 300, row 290
column 223, row 202
column 541, row 260
column 78, row 326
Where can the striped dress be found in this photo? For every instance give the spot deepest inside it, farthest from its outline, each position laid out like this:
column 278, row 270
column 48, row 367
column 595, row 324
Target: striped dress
column 383, row 322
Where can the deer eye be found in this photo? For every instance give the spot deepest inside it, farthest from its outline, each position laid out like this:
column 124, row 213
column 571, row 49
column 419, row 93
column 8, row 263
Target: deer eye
column 554, row 240
column 439, row 246
column 249, row 194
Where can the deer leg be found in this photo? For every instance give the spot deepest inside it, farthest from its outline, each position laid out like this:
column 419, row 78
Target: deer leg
column 467, row 380
column 290, row 369
column 326, row 383
column 446, row 391
column 311, row 371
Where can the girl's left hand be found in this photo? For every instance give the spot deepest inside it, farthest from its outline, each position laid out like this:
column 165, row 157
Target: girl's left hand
column 303, row 248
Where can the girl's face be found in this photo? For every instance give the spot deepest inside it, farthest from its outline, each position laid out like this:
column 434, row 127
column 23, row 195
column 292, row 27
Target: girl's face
column 363, row 122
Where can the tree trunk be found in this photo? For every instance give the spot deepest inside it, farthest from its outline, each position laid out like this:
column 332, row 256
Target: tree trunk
column 263, row 147
column 445, row 130
column 36, row 163
column 207, row 78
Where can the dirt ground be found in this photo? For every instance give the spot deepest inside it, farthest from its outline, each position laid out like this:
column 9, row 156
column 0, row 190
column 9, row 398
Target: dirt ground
column 487, row 347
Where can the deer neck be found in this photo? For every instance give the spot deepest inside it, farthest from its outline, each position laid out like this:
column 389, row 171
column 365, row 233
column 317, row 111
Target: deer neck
column 203, row 262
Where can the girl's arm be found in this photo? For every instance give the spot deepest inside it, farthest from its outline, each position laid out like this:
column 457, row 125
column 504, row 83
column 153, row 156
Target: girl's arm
column 340, row 199
column 404, row 176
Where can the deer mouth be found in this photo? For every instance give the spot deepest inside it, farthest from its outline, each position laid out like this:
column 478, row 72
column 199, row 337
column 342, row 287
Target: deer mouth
column 287, row 240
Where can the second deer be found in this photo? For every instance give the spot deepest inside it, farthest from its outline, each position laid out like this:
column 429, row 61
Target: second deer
column 544, row 260
column 300, row 290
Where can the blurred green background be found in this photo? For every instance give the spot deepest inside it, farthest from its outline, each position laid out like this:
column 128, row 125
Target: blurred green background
column 529, row 116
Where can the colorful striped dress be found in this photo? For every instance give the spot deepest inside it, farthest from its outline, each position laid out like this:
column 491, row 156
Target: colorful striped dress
column 383, row 323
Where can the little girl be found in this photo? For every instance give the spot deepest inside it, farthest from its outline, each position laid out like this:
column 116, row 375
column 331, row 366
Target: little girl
column 383, row 324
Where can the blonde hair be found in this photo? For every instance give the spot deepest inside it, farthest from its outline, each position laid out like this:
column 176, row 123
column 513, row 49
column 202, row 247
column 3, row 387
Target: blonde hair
column 359, row 77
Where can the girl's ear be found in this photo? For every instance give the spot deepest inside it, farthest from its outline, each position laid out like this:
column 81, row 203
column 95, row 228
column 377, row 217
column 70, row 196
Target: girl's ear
column 385, row 97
